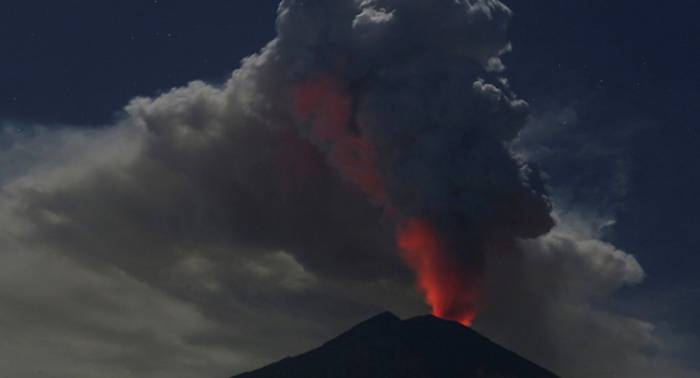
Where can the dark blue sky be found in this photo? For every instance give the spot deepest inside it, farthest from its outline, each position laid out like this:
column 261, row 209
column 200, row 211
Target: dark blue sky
column 78, row 62
column 628, row 69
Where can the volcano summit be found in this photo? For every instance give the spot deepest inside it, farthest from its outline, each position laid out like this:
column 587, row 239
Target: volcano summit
column 422, row 347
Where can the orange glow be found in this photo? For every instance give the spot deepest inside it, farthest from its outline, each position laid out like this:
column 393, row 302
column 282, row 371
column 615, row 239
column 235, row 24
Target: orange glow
column 328, row 108
column 448, row 289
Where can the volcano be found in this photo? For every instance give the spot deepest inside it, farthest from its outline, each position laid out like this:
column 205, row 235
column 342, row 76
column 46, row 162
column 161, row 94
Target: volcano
column 422, row 347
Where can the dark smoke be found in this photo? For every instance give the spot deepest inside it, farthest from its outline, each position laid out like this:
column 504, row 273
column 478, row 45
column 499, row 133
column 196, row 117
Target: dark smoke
column 278, row 206
column 414, row 113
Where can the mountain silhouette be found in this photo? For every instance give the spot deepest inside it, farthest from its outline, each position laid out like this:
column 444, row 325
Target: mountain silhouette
column 388, row 347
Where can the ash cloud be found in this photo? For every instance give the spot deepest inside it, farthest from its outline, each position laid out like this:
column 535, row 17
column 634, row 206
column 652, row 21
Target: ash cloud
column 225, row 220
column 408, row 110
column 549, row 301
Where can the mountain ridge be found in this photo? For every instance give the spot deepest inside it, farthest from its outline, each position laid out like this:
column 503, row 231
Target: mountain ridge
column 385, row 346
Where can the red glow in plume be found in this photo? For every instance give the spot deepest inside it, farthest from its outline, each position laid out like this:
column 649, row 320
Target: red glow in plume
column 328, row 107
column 447, row 288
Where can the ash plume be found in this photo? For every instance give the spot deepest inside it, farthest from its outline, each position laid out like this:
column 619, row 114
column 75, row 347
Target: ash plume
column 415, row 115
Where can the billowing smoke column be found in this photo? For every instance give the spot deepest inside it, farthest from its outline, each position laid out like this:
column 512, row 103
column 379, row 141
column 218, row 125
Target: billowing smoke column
column 365, row 128
column 406, row 100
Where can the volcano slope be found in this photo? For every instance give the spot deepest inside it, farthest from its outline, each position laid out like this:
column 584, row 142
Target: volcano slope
column 422, row 347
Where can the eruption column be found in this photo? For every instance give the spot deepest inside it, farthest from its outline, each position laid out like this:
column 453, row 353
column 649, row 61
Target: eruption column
column 327, row 107
column 448, row 289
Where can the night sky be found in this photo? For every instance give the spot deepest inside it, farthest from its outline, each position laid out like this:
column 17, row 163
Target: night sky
column 628, row 69
column 613, row 90
column 629, row 72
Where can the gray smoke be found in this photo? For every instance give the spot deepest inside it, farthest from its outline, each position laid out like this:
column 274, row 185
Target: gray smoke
column 413, row 112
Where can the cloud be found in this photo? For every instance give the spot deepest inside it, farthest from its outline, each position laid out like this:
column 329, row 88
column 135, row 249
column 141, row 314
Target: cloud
column 170, row 208
column 550, row 303
column 62, row 320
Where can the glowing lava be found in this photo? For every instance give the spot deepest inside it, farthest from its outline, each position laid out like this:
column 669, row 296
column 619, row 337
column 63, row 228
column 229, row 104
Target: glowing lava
column 448, row 289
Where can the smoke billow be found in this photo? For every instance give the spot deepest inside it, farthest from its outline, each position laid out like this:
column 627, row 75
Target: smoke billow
column 366, row 133
column 414, row 114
